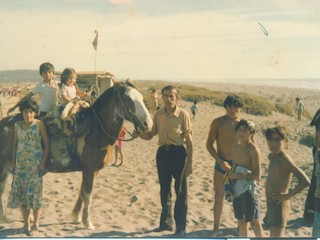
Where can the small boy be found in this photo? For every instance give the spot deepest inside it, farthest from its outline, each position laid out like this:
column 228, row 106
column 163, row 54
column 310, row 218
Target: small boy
column 280, row 171
column 246, row 172
column 299, row 108
column 194, row 110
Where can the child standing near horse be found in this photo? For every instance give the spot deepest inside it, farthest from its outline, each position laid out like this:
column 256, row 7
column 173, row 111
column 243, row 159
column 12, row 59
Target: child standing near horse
column 28, row 164
column 280, row 171
column 118, row 147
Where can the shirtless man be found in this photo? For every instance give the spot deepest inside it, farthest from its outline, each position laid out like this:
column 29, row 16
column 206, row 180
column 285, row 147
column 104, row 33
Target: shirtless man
column 246, row 173
column 280, row 171
column 222, row 131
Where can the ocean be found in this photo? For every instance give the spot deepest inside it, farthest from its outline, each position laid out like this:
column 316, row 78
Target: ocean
column 311, row 83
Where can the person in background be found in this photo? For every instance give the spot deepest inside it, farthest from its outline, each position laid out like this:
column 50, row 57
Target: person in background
column 223, row 132
column 278, row 185
column 299, row 108
column 1, row 114
column 118, row 147
column 28, row 165
column 173, row 126
column 154, row 101
column 48, row 90
column 194, row 110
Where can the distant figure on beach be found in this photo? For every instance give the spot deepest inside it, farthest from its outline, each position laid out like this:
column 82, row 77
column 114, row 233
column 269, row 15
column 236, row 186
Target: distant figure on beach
column 154, row 101
column 28, row 165
column 309, row 207
column 48, row 90
column 278, row 184
column 118, row 148
column 299, row 108
column 194, row 110
column 173, row 126
column 1, row 113
column 223, row 131
column 245, row 175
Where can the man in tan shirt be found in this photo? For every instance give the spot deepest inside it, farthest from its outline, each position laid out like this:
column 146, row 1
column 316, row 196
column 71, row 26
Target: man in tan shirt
column 173, row 126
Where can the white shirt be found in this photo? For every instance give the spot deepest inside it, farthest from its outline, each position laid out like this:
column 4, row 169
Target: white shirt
column 48, row 95
column 68, row 91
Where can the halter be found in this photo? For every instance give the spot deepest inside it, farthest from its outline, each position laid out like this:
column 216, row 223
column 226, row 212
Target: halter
column 131, row 116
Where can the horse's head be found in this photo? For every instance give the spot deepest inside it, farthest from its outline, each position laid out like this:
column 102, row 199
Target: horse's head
column 132, row 107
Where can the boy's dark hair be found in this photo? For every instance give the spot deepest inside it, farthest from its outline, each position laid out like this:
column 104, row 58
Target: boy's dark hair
column 195, row 102
column 247, row 123
column 65, row 74
column 46, row 67
column 278, row 129
column 233, row 101
column 29, row 104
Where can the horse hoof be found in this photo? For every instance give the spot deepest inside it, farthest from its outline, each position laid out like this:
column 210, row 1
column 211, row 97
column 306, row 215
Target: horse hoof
column 88, row 226
column 76, row 219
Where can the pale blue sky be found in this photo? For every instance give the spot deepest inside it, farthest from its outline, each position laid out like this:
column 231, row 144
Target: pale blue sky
column 165, row 39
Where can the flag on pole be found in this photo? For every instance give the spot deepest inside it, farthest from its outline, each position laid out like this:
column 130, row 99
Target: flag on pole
column 95, row 40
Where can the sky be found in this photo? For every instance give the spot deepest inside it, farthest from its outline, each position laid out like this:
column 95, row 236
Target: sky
column 165, row 39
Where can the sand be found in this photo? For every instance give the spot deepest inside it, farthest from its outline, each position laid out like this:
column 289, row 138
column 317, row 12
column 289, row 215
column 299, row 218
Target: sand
column 126, row 200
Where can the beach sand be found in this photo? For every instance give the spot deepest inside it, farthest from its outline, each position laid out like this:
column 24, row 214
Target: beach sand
column 126, row 200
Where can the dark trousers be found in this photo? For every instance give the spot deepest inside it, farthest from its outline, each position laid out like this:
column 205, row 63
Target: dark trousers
column 310, row 201
column 170, row 163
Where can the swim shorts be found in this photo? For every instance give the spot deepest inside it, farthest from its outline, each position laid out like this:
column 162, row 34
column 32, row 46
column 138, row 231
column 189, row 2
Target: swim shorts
column 246, row 207
column 277, row 214
column 218, row 167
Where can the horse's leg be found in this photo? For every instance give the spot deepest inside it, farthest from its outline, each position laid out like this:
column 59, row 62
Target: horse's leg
column 87, row 185
column 2, row 210
column 76, row 218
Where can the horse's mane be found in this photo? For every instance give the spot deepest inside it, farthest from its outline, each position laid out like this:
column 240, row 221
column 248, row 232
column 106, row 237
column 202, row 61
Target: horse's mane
column 105, row 96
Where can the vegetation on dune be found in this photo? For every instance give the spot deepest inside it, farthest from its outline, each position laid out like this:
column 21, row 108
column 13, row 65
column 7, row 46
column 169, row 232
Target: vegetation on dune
column 307, row 140
column 253, row 104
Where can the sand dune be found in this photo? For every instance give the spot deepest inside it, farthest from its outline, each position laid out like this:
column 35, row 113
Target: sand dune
column 126, row 201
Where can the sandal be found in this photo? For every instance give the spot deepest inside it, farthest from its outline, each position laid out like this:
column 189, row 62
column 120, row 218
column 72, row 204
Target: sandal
column 27, row 232
column 34, row 230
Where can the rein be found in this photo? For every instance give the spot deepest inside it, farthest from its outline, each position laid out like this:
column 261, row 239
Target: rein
column 106, row 132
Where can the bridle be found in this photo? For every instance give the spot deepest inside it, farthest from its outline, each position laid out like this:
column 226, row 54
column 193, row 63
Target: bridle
column 121, row 108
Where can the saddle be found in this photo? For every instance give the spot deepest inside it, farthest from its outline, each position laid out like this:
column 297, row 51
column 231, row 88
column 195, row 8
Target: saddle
column 65, row 151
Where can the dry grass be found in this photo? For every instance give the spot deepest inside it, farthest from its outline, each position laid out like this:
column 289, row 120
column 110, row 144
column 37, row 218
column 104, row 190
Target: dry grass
column 253, row 104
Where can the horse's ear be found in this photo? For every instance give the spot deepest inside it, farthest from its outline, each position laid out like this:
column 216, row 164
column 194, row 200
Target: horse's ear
column 129, row 83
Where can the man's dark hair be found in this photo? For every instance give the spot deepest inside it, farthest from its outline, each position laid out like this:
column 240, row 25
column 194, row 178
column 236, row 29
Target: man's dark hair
column 170, row 88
